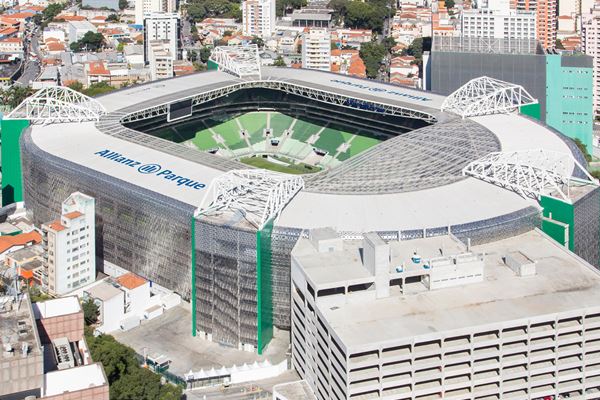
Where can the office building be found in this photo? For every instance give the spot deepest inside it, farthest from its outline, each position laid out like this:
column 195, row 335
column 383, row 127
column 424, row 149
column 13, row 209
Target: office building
column 160, row 60
column 316, row 49
column 437, row 319
column 144, row 7
column 258, row 17
column 70, row 245
column 164, row 27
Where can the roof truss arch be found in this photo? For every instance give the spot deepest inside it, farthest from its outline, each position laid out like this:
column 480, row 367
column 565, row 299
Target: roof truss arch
column 241, row 61
column 531, row 173
column 260, row 195
column 485, row 95
column 58, row 104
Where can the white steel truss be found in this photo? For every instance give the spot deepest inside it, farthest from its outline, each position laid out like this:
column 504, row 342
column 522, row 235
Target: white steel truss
column 241, row 61
column 259, row 194
column 485, row 95
column 288, row 87
column 531, row 173
column 58, row 104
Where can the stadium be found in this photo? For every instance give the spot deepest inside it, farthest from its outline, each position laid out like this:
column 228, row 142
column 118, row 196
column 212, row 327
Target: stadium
column 204, row 183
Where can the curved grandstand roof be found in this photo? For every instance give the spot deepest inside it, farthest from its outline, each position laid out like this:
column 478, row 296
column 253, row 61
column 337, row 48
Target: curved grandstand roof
column 413, row 180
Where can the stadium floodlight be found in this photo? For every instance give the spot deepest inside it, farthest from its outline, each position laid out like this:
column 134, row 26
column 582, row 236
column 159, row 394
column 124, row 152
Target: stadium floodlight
column 58, row 104
column 241, row 61
column 531, row 173
column 484, row 96
column 259, row 194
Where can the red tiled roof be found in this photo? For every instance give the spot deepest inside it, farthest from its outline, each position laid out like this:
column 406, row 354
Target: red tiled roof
column 98, row 68
column 71, row 17
column 73, row 215
column 11, row 40
column 57, row 226
column 131, row 280
column 55, row 46
column 6, row 242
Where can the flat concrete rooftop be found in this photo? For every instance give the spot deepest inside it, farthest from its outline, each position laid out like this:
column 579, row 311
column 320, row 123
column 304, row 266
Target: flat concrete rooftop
column 562, row 283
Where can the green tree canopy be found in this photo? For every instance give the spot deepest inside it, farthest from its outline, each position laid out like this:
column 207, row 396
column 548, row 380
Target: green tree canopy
column 279, row 62
column 140, row 384
column 90, row 42
column 205, row 54
column 123, row 4
column 112, row 18
column 363, row 15
column 90, row 312
column 372, row 54
column 286, row 6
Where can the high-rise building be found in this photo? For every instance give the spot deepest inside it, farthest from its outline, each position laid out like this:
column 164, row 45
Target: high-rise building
column 164, row 27
column 143, row 7
column 498, row 24
column 160, row 60
column 316, row 49
column 258, row 17
column 70, row 245
column 591, row 47
column 546, row 18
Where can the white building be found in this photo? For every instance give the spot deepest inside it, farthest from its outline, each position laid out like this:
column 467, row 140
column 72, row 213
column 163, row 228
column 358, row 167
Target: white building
column 144, row 7
column 258, row 17
column 591, row 47
column 433, row 319
column 316, row 49
column 163, row 27
column 160, row 60
column 489, row 23
column 126, row 300
column 76, row 29
column 70, row 245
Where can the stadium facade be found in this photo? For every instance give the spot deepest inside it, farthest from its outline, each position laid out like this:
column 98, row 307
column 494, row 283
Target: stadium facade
column 152, row 193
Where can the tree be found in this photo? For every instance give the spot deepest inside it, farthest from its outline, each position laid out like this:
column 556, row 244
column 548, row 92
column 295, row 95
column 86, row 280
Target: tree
column 123, row 4
column 583, row 149
column 140, row 384
column 284, row 6
column 99, row 88
column 558, row 44
column 90, row 312
column 366, row 15
column 449, row 4
column 279, row 62
column 121, row 46
column 90, row 42
column 14, row 95
column 258, row 41
column 205, row 54
column 112, row 18
column 78, row 86
column 52, row 11
column 117, row 359
column 170, row 392
column 372, row 54
column 340, row 9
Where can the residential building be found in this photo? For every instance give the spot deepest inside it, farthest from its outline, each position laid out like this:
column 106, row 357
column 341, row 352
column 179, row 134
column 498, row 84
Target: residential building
column 70, row 245
column 124, row 301
column 435, row 318
column 77, row 29
column 316, row 49
column 29, row 263
column 11, row 45
column 591, row 47
column 164, row 27
column 311, row 17
column 160, row 60
column 96, row 72
column 258, row 17
column 145, row 7
column 10, row 243
column 546, row 13
column 489, row 23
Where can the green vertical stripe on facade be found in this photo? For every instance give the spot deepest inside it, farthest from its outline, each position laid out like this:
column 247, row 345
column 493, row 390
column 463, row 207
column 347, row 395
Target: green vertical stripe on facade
column 560, row 211
column 211, row 65
column 556, row 230
column 12, row 176
column 193, row 236
column 264, row 287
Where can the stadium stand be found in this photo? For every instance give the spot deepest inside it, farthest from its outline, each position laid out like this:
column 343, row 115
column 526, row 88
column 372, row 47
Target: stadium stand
column 279, row 123
column 254, row 123
column 303, row 130
column 358, row 144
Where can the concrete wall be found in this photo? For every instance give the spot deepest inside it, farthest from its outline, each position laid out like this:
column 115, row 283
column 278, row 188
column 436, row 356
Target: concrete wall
column 69, row 326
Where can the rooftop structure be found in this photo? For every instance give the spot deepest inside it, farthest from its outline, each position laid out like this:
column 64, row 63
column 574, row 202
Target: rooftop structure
column 241, row 61
column 377, row 304
column 484, row 95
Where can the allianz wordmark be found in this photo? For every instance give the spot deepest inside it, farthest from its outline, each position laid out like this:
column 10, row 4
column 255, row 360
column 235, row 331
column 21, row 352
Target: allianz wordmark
column 147, row 169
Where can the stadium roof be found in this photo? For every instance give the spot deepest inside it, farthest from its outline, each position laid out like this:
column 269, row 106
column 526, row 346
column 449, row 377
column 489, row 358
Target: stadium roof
column 412, row 181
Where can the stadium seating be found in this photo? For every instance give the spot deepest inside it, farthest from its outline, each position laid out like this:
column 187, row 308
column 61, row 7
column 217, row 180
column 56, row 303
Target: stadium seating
column 339, row 144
